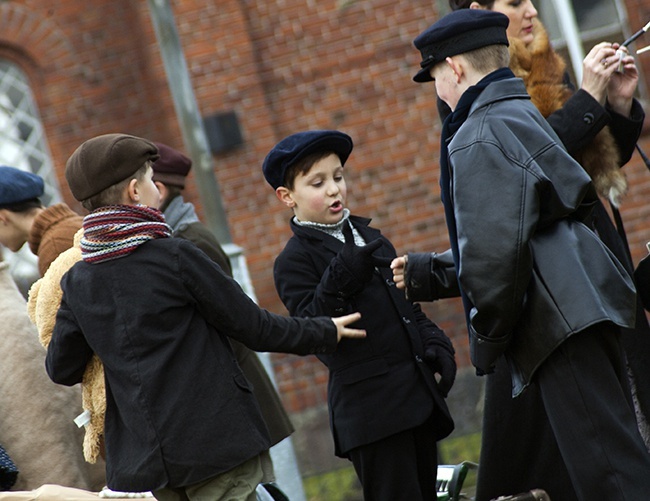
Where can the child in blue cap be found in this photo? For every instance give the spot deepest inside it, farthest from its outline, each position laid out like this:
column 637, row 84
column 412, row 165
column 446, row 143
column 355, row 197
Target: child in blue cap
column 23, row 218
column 386, row 409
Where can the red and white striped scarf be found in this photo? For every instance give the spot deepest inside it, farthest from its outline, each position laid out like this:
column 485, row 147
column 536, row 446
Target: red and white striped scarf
column 117, row 230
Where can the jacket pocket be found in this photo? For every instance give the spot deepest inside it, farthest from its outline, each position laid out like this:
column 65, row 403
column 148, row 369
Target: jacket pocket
column 243, row 383
column 361, row 371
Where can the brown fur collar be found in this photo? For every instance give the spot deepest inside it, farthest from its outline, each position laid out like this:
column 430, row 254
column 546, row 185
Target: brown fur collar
column 542, row 70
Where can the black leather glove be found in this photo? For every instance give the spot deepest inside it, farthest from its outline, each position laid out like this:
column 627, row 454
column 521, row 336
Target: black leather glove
column 439, row 354
column 358, row 260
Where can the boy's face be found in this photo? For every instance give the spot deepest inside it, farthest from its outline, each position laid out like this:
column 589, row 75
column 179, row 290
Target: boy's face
column 11, row 234
column 319, row 195
column 446, row 83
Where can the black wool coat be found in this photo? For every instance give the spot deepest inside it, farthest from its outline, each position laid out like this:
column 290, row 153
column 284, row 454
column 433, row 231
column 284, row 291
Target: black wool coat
column 179, row 409
column 275, row 416
column 379, row 385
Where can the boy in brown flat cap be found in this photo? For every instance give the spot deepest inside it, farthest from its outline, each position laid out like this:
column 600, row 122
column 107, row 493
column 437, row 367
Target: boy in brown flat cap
column 156, row 311
column 170, row 173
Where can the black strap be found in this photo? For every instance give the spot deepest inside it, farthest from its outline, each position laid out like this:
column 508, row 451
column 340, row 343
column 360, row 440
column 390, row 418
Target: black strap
column 646, row 160
column 617, row 215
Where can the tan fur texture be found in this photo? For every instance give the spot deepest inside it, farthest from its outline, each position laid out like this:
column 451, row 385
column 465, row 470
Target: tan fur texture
column 44, row 301
column 36, row 415
column 542, row 70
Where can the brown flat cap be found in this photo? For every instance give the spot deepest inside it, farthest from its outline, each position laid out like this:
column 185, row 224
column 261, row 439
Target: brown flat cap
column 172, row 166
column 104, row 161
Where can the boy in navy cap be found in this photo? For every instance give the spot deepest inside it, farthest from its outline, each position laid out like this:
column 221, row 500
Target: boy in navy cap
column 537, row 284
column 181, row 419
column 23, row 218
column 386, row 409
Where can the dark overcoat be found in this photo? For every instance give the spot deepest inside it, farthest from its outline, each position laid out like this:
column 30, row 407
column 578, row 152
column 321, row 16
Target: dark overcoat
column 275, row 416
column 179, row 409
column 379, row 385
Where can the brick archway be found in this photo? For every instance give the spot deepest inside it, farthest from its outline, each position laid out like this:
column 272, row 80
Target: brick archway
column 35, row 37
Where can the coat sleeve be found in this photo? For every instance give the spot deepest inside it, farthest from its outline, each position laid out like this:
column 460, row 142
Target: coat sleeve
column 68, row 352
column 304, row 289
column 496, row 210
column 228, row 308
column 430, row 276
column 582, row 117
column 578, row 121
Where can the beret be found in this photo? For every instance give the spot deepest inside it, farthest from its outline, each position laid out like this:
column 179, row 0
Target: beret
column 460, row 31
column 297, row 146
column 19, row 186
column 104, row 161
column 172, row 166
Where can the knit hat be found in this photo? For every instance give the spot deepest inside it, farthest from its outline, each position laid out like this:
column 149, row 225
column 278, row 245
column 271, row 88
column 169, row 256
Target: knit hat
column 297, row 146
column 104, row 161
column 19, row 186
column 172, row 166
column 460, row 31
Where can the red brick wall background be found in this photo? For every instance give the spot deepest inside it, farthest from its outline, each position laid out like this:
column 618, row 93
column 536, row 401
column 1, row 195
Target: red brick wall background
column 283, row 66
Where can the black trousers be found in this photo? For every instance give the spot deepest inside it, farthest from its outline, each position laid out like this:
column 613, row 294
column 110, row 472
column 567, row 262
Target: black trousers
column 402, row 467
column 585, row 392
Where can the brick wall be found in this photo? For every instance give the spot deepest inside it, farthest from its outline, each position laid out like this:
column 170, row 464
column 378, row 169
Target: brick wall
column 281, row 66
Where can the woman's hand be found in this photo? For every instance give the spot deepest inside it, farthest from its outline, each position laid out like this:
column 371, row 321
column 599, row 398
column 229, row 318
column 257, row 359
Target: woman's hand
column 597, row 69
column 623, row 83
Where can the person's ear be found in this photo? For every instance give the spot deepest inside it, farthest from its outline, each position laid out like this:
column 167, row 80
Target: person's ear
column 456, row 67
column 133, row 191
column 476, row 5
column 284, row 195
column 3, row 216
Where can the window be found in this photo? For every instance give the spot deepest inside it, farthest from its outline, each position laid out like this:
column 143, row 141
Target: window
column 22, row 145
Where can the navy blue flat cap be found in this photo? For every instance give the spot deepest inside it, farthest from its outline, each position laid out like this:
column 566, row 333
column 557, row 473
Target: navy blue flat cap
column 19, row 186
column 297, row 146
column 460, row 31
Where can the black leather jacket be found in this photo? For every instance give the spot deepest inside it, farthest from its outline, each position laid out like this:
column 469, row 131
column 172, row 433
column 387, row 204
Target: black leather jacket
column 531, row 266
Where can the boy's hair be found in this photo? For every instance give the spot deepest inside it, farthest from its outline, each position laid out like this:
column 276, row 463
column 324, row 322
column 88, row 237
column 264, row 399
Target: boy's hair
column 24, row 206
column 113, row 194
column 489, row 58
column 303, row 166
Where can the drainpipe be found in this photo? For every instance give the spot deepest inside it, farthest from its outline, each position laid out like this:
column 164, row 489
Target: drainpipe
column 197, row 146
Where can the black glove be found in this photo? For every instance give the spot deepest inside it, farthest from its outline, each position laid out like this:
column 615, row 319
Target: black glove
column 358, row 260
column 439, row 355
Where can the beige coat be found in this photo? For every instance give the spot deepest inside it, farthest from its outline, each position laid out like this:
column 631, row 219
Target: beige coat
column 36, row 415
column 44, row 301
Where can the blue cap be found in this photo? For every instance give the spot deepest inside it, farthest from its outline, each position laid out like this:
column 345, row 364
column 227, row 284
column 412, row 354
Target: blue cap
column 297, row 146
column 460, row 31
column 19, row 186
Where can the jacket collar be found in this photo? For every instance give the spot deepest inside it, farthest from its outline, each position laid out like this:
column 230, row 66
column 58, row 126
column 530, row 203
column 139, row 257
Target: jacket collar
column 332, row 243
column 511, row 88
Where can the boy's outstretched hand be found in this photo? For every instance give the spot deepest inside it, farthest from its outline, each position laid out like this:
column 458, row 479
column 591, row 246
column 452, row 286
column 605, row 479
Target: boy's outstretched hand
column 343, row 331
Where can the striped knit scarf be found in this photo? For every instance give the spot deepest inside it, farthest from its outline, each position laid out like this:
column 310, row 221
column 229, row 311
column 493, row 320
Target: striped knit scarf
column 117, row 230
